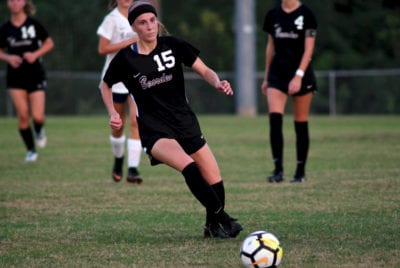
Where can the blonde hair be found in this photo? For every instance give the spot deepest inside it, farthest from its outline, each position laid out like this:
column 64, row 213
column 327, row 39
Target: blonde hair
column 29, row 8
column 162, row 30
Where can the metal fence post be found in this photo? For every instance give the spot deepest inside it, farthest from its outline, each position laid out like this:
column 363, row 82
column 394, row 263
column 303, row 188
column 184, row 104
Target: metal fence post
column 332, row 93
column 245, row 58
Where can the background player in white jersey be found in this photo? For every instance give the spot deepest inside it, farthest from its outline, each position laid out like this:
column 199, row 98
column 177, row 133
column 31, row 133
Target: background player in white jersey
column 291, row 29
column 116, row 33
column 26, row 41
column 169, row 130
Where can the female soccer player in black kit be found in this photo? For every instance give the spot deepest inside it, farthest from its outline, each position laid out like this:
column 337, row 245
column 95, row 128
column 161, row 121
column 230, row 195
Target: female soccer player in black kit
column 152, row 71
column 26, row 41
column 291, row 29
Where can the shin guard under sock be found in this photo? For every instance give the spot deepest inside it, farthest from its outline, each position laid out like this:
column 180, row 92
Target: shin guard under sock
column 37, row 127
column 199, row 187
column 302, row 147
column 276, row 140
column 219, row 189
column 27, row 138
column 117, row 146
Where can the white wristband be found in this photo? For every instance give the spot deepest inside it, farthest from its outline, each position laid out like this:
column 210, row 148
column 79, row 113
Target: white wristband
column 300, row 72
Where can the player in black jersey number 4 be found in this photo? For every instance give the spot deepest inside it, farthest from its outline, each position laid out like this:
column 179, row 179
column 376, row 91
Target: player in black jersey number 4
column 151, row 70
column 291, row 29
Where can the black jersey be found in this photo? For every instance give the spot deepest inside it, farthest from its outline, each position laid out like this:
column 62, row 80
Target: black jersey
column 289, row 31
column 17, row 40
column 157, row 84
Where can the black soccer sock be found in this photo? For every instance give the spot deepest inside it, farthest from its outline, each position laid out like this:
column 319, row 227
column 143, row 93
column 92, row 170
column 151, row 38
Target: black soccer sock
column 219, row 189
column 302, row 147
column 118, row 163
column 27, row 137
column 37, row 127
column 276, row 139
column 199, row 187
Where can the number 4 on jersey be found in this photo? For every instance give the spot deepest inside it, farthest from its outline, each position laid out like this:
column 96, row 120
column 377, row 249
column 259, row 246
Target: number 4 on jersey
column 299, row 22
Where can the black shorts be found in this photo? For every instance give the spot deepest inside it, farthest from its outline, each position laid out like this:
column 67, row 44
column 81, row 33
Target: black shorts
column 120, row 97
column 29, row 78
column 280, row 75
column 189, row 145
column 30, row 85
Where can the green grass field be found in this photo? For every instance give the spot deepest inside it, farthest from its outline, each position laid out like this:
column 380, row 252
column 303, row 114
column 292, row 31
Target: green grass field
column 65, row 211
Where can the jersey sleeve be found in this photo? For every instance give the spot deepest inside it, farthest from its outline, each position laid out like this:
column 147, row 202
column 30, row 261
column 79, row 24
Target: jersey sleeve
column 41, row 32
column 310, row 23
column 187, row 53
column 116, row 71
column 106, row 28
column 268, row 24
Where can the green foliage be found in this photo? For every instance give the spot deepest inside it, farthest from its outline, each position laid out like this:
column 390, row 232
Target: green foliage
column 352, row 34
column 207, row 27
column 65, row 210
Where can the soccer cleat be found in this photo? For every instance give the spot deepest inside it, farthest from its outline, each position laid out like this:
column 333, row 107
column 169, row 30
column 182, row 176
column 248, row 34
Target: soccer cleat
column 133, row 176
column 298, row 179
column 41, row 139
column 117, row 169
column 275, row 177
column 215, row 230
column 31, row 156
column 235, row 227
column 206, row 231
column 224, row 227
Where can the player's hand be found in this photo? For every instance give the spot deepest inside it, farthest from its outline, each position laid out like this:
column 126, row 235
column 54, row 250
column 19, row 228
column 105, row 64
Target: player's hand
column 30, row 57
column 115, row 121
column 264, row 87
column 14, row 60
column 225, row 87
column 295, row 85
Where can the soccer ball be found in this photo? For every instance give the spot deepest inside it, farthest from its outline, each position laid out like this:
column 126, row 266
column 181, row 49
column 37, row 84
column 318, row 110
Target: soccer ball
column 261, row 249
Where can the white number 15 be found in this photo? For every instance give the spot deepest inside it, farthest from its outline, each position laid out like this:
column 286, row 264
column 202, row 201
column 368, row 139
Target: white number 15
column 165, row 61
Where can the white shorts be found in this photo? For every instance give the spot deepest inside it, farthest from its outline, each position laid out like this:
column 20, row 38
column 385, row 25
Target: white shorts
column 120, row 88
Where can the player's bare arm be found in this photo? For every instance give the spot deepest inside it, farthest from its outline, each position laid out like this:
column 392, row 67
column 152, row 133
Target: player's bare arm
column 295, row 83
column 14, row 60
column 211, row 77
column 47, row 46
column 106, row 94
column 269, row 53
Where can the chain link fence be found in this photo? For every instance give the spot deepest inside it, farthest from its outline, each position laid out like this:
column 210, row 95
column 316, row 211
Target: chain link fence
column 339, row 92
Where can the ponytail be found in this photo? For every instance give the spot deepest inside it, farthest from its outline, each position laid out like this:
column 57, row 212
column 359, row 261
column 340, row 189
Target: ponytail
column 162, row 30
column 29, row 8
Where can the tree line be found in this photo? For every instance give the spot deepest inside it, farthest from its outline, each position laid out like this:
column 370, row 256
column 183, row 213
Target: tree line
column 352, row 34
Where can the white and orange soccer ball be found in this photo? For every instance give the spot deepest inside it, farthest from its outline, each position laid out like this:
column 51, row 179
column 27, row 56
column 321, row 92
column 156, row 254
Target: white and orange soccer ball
column 261, row 249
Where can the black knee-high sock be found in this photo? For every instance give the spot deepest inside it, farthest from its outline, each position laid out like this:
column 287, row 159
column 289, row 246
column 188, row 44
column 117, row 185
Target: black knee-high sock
column 199, row 187
column 276, row 139
column 302, row 146
column 219, row 189
column 37, row 127
column 27, row 137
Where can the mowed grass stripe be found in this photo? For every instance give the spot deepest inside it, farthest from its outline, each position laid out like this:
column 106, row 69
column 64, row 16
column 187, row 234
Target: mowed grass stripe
column 65, row 211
